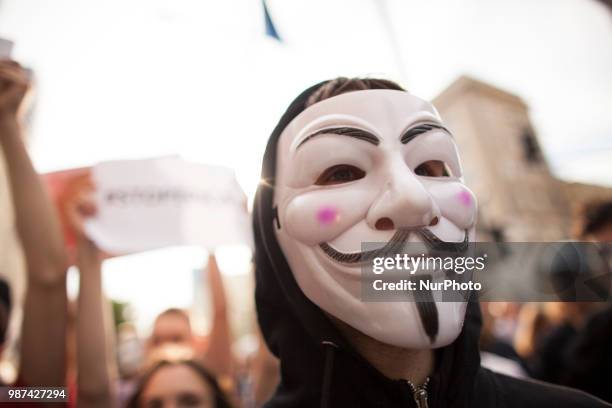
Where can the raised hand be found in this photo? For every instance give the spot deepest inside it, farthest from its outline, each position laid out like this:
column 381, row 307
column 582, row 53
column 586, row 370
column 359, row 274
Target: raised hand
column 14, row 84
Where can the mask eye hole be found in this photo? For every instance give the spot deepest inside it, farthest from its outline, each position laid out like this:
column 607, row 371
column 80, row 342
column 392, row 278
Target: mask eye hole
column 339, row 174
column 433, row 168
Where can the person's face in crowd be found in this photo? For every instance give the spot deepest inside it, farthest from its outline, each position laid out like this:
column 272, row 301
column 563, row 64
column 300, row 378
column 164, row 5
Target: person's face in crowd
column 364, row 167
column 177, row 386
column 171, row 329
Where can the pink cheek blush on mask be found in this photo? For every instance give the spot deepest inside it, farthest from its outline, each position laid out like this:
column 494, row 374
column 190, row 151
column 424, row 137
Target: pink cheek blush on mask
column 327, row 215
column 465, row 198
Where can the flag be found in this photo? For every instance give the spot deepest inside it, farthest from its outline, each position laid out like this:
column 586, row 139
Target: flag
column 270, row 29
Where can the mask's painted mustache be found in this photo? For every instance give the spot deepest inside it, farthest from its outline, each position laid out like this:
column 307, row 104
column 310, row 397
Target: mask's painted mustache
column 394, row 245
column 437, row 244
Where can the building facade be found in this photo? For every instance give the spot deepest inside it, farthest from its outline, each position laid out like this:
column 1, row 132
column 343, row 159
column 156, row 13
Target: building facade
column 519, row 198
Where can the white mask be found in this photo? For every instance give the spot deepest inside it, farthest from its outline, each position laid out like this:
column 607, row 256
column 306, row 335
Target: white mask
column 399, row 169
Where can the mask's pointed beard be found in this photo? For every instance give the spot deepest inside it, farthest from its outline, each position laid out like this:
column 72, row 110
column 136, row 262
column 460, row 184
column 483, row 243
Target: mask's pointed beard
column 426, row 306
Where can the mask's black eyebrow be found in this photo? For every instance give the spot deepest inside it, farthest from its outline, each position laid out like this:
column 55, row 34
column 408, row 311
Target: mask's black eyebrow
column 345, row 131
column 419, row 130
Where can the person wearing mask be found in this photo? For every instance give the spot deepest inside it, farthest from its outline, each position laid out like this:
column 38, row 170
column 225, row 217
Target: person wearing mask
column 589, row 355
column 354, row 161
column 588, row 261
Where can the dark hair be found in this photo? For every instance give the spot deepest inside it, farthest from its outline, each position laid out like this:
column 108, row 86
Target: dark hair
column 594, row 216
column 342, row 85
column 221, row 400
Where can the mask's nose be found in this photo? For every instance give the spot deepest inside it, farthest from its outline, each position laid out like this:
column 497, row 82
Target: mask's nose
column 403, row 202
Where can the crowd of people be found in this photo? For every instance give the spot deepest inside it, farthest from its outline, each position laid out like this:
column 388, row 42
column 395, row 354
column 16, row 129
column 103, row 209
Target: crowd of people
column 318, row 344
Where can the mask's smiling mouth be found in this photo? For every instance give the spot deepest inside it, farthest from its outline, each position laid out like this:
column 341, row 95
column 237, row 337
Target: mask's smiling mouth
column 394, row 246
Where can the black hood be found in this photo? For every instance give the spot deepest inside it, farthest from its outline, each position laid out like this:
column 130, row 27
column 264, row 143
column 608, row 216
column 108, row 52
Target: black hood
column 318, row 366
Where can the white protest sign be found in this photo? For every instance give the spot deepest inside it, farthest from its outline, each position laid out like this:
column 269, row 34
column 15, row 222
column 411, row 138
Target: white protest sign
column 155, row 203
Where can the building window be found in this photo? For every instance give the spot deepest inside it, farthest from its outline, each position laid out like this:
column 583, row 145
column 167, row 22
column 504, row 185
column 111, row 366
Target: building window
column 497, row 234
column 499, row 237
column 531, row 149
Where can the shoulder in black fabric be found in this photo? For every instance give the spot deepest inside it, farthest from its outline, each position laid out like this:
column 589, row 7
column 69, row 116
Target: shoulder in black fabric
column 298, row 332
column 498, row 390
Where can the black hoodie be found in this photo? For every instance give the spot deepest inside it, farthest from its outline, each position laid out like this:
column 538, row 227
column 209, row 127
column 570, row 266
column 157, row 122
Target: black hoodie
column 319, row 368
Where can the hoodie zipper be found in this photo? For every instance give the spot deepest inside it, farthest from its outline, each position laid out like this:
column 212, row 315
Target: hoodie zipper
column 419, row 393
